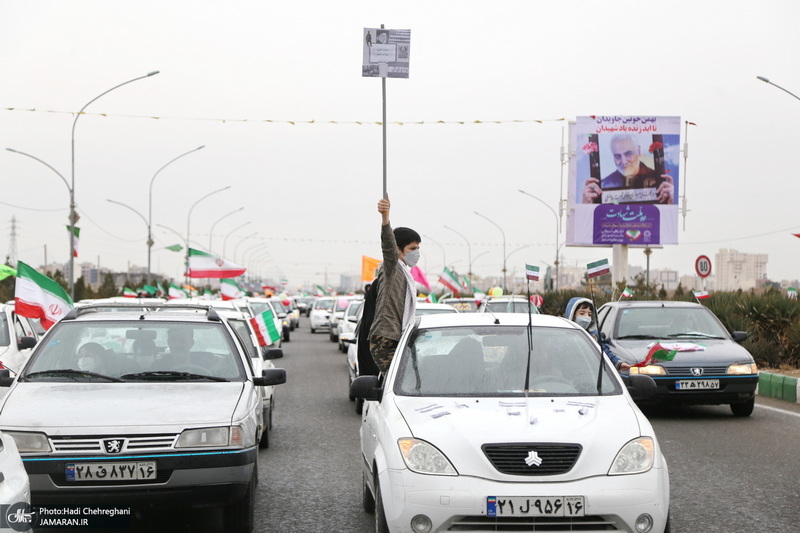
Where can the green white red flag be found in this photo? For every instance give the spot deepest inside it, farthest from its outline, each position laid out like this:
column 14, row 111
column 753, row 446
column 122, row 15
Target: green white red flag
column 229, row 289
column 129, row 293
column 666, row 351
column 176, row 292
column 37, row 296
column 700, row 295
column 598, row 268
column 75, row 240
column 532, row 272
column 203, row 265
column 627, row 293
column 450, row 280
column 264, row 326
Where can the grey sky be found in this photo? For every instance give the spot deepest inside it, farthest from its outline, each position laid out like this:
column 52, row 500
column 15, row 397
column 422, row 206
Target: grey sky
column 236, row 75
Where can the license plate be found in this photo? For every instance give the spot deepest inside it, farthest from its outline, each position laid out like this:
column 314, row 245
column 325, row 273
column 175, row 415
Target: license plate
column 697, row 384
column 111, row 471
column 536, row 506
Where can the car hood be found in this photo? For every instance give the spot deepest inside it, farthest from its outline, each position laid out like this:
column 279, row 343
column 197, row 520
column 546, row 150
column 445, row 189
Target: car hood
column 713, row 352
column 93, row 405
column 460, row 426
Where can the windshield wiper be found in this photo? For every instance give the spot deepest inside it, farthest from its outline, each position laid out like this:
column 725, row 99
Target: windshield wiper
column 695, row 334
column 637, row 337
column 69, row 372
column 166, row 375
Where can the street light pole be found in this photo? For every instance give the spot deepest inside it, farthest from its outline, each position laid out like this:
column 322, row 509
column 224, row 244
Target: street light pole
column 444, row 257
column 150, row 207
column 766, row 80
column 149, row 239
column 72, row 214
column 504, row 246
column 469, row 253
column 231, row 232
column 240, row 242
column 558, row 228
column 214, row 225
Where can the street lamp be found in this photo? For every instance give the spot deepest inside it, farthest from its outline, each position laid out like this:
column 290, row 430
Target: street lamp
column 149, row 239
column 211, row 233
column 444, row 257
column 72, row 217
column 558, row 227
column 231, row 232
column 469, row 254
column 189, row 217
column 240, row 242
column 766, row 80
column 504, row 246
column 512, row 253
column 150, row 206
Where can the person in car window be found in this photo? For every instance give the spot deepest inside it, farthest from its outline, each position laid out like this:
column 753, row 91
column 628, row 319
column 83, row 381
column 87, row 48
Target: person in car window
column 90, row 357
column 581, row 311
column 396, row 302
column 180, row 342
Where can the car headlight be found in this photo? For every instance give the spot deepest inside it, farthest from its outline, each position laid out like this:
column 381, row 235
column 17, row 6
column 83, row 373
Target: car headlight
column 424, row 458
column 649, row 370
column 635, row 457
column 30, row 442
column 220, row 436
column 743, row 369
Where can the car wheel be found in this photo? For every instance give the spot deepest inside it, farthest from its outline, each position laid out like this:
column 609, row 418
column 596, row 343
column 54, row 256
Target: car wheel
column 263, row 442
column 349, row 382
column 743, row 409
column 333, row 338
column 240, row 515
column 380, row 516
column 313, row 329
column 286, row 334
column 367, row 500
column 359, row 405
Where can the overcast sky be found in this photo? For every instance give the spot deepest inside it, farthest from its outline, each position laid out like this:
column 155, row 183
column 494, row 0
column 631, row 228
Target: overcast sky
column 274, row 92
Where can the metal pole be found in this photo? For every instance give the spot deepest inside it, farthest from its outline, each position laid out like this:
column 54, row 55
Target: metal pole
column 383, row 91
column 558, row 228
column 469, row 254
column 225, row 240
column 503, row 233
column 211, row 233
column 149, row 238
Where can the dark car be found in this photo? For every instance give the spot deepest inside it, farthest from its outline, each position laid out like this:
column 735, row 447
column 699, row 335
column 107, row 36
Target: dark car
column 709, row 367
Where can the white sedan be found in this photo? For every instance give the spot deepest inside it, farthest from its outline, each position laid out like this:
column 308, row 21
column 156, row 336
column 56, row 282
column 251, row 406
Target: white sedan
column 486, row 423
column 15, row 488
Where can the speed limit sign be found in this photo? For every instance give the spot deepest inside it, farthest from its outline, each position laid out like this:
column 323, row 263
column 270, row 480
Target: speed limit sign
column 703, row 266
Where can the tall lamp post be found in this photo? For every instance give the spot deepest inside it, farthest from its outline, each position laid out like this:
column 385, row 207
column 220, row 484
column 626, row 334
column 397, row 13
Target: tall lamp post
column 766, row 80
column 558, row 228
column 444, row 257
column 503, row 233
column 231, row 232
column 149, row 239
column 150, row 206
column 469, row 254
column 240, row 242
column 72, row 217
column 214, row 225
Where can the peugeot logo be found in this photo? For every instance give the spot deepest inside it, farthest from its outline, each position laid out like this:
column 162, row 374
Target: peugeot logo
column 697, row 371
column 113, row 445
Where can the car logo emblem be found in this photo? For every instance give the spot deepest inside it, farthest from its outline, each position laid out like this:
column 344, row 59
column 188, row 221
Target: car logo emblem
column 697, row 371
column 113, row 445
column 533, row 459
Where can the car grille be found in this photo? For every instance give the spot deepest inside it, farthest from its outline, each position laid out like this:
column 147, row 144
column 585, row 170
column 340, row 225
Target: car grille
column 132, row 444
column 550, row 523
column 510, row 458
column 687, row 370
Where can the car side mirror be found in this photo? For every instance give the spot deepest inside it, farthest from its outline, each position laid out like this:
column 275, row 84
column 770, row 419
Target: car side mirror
column 366, row 388
column 273, row 353
column 270, row 377
column 5, row 378
column 26, row 342
column 640, row 387
column 740, row 336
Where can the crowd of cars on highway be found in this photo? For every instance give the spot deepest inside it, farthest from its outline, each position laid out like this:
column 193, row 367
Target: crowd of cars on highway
column 491, row 417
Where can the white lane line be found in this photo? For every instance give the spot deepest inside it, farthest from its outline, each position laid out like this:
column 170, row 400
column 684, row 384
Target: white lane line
column 778, row 410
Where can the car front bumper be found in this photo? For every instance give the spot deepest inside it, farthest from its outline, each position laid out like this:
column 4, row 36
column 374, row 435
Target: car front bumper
column 459, row 502
column 731, row 390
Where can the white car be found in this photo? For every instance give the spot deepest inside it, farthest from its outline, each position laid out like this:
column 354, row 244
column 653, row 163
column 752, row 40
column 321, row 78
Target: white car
column 460, row 436
column 425, row 308
column 507, row 304
column 18, row 335
column 259, row 306
column 347, row 325
column 15, row 489
column 320, row 313
column 156, row 406
column 339, row 314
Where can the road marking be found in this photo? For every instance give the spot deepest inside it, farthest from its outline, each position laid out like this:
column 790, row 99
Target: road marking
column 778, row 410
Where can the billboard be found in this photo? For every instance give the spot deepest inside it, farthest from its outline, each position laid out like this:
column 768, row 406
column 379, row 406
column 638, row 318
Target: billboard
column 386, row 53
column 624, row 181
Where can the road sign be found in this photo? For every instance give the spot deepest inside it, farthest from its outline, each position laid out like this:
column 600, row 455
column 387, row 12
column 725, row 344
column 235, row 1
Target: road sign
column 703, row 266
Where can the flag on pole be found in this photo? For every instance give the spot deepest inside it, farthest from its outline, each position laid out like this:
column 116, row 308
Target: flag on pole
column 791, row 293
column 598, row 268
column 321, row 290
column 369, row 268
column 420, row 277
column 796, row 234
column 150, row 290
column 6, row 271
column 37, row 296
column 667, row 351
column 264, row 326
column 203, row 265
column 229, row 289
column 700, row 295
column 174, row 248
column 627, row 293
column 431, row 299
column 450, row 280
column 129, row 293
column 176, row 292
column 75, row 240
column 161, row 292
column 532, row 272
column 465, row 284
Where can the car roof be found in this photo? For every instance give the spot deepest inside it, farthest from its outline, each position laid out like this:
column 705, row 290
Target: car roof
column 486, row 319
column 428, row 305
column 654, row 303
column 161, row 313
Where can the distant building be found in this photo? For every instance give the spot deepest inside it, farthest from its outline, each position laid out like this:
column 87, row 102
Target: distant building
column 737, row 270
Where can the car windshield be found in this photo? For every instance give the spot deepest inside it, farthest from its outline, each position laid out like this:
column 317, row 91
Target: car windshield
column 668, row 322
column 260, row 307
column 279, row 307
column 134, row 351
column 463, row 306
column 491, row 361
column 434, row 310
column 511, row 306
column 241, row 329
column 352, row 311
column 324, row 303
column 5, row 338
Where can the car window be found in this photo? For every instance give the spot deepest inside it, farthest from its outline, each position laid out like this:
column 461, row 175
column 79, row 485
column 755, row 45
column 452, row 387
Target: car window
column 604, row 321
column 506, row 306
column 433, row 311
column 324, row 303
column 672, row 322
column 492, row 361
column 463, row 306
column 117, row 349
column 352, row 311
column 260, row 307
column 5, row 336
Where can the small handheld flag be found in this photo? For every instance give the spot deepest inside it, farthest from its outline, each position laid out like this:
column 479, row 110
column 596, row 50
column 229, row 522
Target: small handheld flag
column 450, row 280
column 598, row 268
column 700, row 295
column 532, row 272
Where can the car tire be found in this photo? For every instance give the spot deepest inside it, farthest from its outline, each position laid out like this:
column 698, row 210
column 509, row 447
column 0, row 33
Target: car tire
column 367, row 500
column 263, row 442
column 359, row 405
column 333, row 338
column 743, row 409
column 381, row 526
column 313, row 330
column 667, row 526
column 286, row 336
column 240, row 515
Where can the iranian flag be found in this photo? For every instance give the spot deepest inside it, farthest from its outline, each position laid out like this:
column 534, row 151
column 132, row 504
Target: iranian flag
column 129, row 293
column 75, row 240
column 229, row 289
column 264, row 326
column 598, row 268
column 532, row 272
column 700, row 295
column 627, row 293
column 666, row 351
column 431, row 299
column 450, row 280
column 203, row 265
column 176, row 292
column 37, row 296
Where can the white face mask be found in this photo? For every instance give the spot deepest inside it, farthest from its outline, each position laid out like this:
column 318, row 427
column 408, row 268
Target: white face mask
column 411, row 258
column 584, row 322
